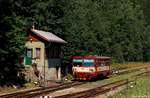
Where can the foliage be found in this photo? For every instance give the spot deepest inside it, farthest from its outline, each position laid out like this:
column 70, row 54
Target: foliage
column 69, row 77
column 140, row 89
column 12, row 45
column 116, row 28
column 110, row 27
column 129, row 65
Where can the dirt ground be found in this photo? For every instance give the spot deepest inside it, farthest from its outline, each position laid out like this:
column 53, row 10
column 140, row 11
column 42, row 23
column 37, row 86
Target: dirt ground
column 6, row 89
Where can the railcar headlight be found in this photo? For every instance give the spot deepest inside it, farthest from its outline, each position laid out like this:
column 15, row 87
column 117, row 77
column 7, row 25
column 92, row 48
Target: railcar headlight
column 92, row 70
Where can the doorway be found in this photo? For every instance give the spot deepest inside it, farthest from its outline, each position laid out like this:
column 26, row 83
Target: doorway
column 28, row 56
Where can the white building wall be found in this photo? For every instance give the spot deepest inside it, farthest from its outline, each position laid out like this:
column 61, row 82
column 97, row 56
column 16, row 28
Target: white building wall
column 34, row 45
column 46, row 66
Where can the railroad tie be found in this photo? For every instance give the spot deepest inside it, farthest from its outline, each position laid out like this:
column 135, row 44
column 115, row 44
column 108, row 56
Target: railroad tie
column 45, row 97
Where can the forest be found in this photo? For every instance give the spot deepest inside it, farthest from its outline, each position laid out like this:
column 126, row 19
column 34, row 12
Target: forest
column 116, row 28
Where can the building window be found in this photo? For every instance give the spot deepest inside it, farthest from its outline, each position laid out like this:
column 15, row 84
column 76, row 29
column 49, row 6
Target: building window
column 38, row 53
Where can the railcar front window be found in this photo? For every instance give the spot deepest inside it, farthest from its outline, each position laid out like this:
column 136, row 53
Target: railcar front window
column 77, row 62
column 88, row 62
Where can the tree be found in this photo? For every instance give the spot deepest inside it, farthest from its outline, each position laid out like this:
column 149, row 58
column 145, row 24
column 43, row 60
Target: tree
column 117, row 28
column 106, row 26
column 12, row 39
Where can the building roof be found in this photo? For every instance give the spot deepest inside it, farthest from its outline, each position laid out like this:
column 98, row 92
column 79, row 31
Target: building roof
column 48, row 36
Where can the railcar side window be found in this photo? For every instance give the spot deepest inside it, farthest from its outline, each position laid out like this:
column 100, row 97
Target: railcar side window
column 107, row 63
column 102, row 63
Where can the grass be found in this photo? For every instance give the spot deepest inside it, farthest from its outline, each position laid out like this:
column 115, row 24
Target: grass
column 129, row 65
column 108, row 80
column 139, row 90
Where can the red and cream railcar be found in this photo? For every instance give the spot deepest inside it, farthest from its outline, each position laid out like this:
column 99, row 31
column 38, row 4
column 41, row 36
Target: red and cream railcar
column 90, row 67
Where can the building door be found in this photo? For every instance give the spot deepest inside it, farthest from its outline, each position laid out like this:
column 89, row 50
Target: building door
column 28, row 57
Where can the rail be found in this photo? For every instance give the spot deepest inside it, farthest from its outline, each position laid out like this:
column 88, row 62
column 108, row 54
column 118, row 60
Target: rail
column 39, row 91
column 100, row 90
column 45, row 90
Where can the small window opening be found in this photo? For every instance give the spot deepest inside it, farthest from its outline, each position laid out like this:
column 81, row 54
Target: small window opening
column 38, row 53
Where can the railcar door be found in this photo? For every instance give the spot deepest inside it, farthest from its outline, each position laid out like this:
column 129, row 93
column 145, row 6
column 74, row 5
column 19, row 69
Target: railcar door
column 76, row 64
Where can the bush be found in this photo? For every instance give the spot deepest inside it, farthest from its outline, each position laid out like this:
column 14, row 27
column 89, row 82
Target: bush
column 70, row 77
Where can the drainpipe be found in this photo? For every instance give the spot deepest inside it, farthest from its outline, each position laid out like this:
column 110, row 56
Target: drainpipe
column 44, row 62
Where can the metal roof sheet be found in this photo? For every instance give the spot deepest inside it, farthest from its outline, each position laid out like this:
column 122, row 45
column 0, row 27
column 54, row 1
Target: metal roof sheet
column 48, row 36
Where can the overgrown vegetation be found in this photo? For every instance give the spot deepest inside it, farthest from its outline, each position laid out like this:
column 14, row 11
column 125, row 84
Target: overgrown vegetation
column 129, row 65
column 116, row 28
column 139, row 89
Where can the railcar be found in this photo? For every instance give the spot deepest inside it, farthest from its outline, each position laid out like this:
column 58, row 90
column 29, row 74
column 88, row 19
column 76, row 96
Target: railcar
column 90, row 67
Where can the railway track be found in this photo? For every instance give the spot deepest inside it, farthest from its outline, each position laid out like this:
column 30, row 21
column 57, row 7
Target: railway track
column 99, row 90
column 39, row 91
column 45, row 90
column 120, row 72
column 95, row 91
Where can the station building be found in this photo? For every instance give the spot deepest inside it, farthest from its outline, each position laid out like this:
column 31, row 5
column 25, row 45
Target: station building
column 43, row 49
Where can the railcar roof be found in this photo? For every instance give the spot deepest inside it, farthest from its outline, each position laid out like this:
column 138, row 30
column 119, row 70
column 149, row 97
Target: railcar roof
column 76, row 56
column 99, row 57
column 103, row 57
column 92, row 56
